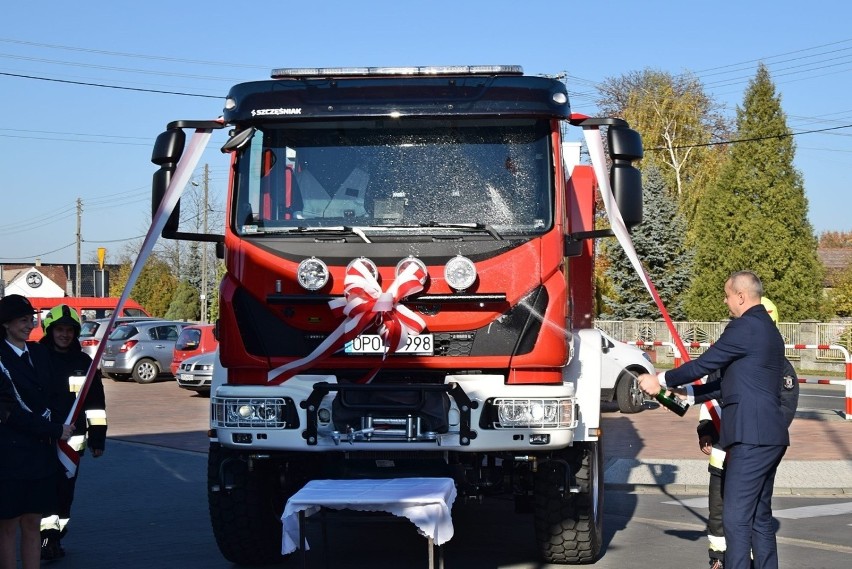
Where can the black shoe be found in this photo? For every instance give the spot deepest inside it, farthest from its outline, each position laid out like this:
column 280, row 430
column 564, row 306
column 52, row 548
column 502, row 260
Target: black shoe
column 51, row 549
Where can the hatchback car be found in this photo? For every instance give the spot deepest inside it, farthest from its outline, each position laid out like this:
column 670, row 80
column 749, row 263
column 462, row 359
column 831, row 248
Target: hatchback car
column 193, row 341
column 196, row 373
column 142, row 350
column 620, row 365
column 93, row 332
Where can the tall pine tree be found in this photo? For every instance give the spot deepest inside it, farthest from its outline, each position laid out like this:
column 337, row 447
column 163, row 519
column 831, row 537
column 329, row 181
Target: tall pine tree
column 756, row 217
column 659, row 243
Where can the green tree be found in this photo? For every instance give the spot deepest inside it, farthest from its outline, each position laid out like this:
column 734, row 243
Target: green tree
column 755, row 217
column 678, row 122
column 660, row 245
column 841, row 293
column 213, row 311
column 185, row 304
column 153, row 289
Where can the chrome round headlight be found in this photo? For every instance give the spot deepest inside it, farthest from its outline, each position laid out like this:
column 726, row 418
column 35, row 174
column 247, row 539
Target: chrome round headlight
column 312, row 274
column 403, row 264
column 371, row 266
column 460, row 273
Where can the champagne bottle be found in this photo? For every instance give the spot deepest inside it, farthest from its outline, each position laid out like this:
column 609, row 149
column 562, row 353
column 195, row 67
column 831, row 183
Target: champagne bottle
column 672, row 403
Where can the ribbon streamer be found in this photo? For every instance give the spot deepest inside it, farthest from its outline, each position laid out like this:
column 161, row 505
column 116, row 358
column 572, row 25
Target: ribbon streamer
column 616, row 222
column 69, row 457
column 364, row 303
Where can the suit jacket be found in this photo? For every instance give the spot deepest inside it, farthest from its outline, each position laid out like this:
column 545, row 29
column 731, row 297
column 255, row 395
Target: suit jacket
column 712, row 389
column 750, row 355
column 27, row 439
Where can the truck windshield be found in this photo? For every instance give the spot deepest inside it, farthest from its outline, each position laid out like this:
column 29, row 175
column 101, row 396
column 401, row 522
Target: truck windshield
column 396, row 175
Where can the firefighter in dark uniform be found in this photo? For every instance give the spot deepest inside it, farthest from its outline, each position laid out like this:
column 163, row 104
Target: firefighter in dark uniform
column 29, row 430
column 62, row 338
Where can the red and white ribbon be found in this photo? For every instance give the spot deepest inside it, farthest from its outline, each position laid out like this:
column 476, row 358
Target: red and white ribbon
column 69, row 457
column 364, row 303
column 616, row 222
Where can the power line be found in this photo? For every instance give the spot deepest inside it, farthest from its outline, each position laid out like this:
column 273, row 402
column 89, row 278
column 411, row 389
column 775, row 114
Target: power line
column 38, row 254
column 104, row 86
column 754, row 139
column 133, row 55
column 73, row 133
column 113, row 68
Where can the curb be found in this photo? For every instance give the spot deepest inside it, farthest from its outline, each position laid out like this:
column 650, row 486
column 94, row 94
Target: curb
column 697, row 490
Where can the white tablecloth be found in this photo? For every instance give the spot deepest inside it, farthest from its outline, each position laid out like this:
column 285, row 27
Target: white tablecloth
column 424, row 501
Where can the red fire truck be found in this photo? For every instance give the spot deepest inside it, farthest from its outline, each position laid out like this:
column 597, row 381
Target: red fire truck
column 409, row 292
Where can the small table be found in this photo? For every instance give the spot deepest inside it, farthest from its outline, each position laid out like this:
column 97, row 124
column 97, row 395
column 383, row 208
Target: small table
column 426, row 502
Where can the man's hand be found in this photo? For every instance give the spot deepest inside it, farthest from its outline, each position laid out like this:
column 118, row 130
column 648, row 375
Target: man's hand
column 649, row 383
column 67, row 431
column 705, row 443
column 97, row 452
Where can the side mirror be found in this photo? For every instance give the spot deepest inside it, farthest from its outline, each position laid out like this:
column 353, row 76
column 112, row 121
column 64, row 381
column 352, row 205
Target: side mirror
column 625, row 146
column 238, row 140
column 168, row 149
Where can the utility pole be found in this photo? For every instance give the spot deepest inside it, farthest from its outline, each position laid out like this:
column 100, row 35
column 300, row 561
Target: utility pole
column 78, row 277
column 204, row 249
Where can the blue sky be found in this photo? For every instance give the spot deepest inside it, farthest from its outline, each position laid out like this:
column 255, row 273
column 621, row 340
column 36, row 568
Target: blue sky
column 61, row 141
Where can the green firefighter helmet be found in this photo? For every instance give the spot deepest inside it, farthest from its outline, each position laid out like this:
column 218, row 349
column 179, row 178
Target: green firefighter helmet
column 770, row 308
column 62, row 314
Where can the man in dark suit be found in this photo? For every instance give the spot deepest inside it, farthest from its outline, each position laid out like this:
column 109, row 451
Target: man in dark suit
column 750, row 354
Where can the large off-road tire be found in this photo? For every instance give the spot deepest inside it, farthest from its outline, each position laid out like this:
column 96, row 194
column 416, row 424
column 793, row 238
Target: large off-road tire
column 245, row 507
column 145, row 371
column 569, row 527
column 628, row 395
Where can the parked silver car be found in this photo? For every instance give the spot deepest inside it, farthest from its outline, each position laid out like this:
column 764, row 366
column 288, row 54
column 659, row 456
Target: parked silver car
column 142, row 350
column 195, row 373
column 93, row 331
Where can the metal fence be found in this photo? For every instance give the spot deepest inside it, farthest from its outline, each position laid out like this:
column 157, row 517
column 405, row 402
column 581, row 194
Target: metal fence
column 833, row 333
column 799, row 333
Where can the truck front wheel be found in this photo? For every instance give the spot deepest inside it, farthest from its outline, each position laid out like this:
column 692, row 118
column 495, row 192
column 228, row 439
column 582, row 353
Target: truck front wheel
column 569, row 526
column 245, row 507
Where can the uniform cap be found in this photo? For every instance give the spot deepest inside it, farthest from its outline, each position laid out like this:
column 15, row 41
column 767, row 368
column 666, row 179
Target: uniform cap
column 14, row 306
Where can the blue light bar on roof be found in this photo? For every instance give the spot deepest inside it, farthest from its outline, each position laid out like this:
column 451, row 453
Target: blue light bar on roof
column 441, row 70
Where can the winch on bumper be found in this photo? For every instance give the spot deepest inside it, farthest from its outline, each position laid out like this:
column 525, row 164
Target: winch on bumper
column 467, row 413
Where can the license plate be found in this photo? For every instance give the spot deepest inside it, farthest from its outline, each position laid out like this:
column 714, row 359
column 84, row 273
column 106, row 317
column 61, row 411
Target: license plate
column 108, row 363
column 186, row 377
column 421, row 345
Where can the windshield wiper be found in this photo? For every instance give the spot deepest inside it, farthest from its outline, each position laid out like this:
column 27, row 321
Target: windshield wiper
column 336, row 229
column 465, row 227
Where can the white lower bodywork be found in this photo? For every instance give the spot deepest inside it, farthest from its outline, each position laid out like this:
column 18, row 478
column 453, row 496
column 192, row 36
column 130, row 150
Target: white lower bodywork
column 581, row 382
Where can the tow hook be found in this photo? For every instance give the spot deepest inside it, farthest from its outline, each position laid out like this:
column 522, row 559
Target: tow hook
column 533, row 460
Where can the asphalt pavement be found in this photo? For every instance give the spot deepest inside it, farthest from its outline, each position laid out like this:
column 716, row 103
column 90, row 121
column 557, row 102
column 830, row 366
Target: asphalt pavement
column 657, row 449
column 653, row 448
column 144, row 504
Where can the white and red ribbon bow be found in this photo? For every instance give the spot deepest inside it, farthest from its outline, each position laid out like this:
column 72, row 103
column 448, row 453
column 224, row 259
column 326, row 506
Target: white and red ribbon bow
column 364, row 303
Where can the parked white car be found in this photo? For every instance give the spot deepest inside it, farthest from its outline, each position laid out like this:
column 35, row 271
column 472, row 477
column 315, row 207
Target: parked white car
column 620, row 365
column 196, row 372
